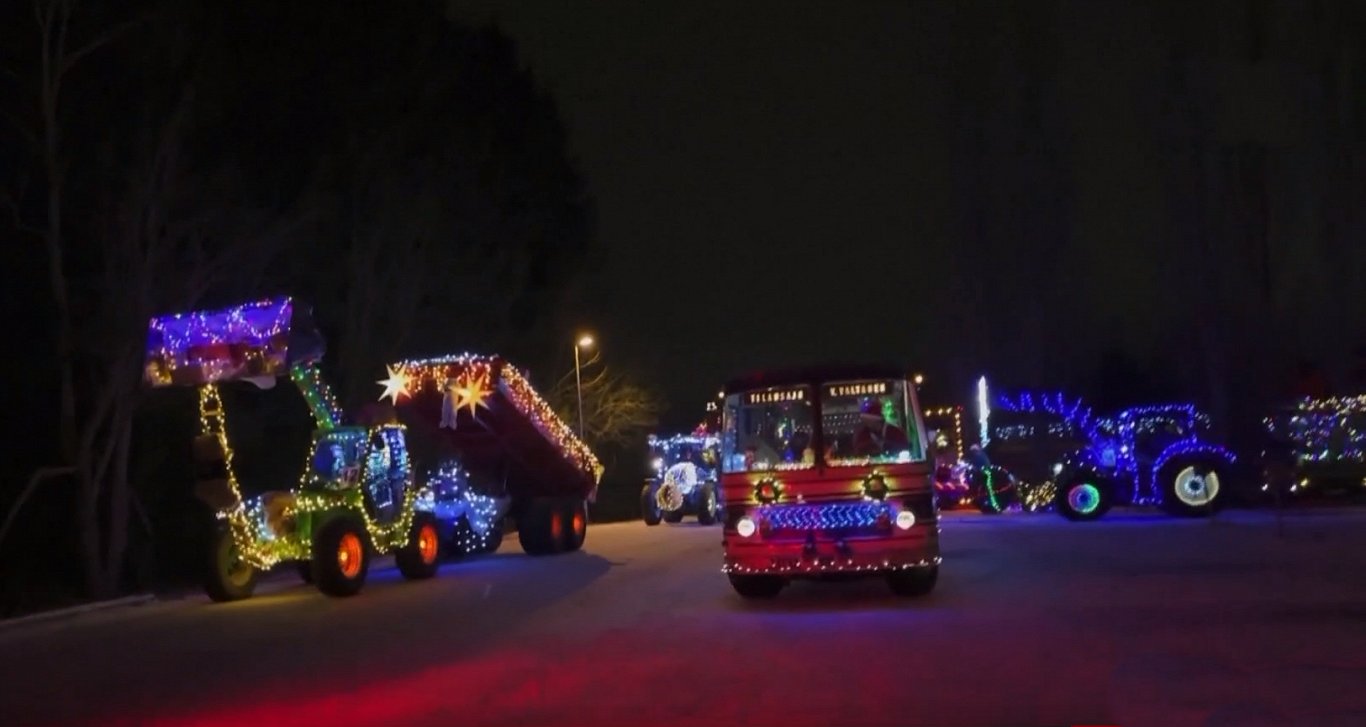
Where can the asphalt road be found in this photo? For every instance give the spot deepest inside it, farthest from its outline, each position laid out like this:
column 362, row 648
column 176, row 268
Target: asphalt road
column 1135, row 620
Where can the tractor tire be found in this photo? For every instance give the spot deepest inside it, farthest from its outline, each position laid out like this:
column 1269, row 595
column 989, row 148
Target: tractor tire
column 1192, row 486
column 913, row 581
column 706, row 505
column 227, row 577
column 419, row 558
column 540, row 529
column 341, row 556
column 1083, row 499
column 757, row 587
column 576, row 524
column 675, row 516
column 648, row 508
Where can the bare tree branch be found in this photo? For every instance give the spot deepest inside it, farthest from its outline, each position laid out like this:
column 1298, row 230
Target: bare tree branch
column 100, row 41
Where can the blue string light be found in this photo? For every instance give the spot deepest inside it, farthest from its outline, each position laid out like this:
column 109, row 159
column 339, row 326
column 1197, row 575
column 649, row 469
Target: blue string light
column 1113, row 443
column 835, row 516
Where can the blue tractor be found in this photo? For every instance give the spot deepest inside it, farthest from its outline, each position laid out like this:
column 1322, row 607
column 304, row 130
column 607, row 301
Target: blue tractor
column 683, row 480
column 1058, row 454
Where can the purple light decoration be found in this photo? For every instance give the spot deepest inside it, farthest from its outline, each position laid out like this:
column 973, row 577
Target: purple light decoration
column 201, row 347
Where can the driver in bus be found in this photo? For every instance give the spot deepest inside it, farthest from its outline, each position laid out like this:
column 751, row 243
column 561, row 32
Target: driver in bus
column 876, row 435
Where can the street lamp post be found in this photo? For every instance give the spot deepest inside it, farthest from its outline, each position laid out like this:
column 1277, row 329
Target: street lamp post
column 583, row 342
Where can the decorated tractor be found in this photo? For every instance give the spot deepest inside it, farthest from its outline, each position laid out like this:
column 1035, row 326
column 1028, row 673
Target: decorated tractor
column 356, row 496
column 1059, row 454
column 512, row 451
column 684, row 481
column 1316, row 447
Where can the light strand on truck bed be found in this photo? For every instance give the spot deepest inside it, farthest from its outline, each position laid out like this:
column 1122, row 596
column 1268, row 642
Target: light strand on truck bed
column 479, row 374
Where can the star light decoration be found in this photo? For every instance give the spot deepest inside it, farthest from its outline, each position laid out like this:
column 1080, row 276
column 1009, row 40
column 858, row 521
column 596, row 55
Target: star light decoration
column 484, row 376
column 396, row 385
column 471, row 390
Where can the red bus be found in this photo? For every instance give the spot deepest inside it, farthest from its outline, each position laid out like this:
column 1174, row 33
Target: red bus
column 824, row 473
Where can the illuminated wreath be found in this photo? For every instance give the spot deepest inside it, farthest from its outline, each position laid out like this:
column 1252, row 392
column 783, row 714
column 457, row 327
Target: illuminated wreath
column 768, row 490
column 875, row 487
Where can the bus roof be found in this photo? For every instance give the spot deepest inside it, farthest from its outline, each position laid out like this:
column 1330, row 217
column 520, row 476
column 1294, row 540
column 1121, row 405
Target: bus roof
column 812, row 375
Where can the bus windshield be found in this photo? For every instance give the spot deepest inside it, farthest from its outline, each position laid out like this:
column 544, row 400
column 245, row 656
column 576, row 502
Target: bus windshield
column 768, row 430
column 868, row 422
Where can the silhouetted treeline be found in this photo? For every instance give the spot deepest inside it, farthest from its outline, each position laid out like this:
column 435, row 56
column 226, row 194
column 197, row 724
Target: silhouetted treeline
column 404, row 173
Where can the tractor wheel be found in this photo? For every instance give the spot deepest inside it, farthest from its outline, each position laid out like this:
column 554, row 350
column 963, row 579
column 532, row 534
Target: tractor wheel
column 757, row 586
column 228, row 577
column 1084, row 498
column 341, row 556
column 541, row 527
column 576, row 524
column 1192, row 487
column 706, row 505
column 421, row 555
column 649, row 509
column 675, row 516
column 913, row 581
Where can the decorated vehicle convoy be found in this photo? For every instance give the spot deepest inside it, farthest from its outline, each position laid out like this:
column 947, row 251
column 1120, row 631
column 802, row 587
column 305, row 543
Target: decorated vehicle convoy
column 684, row 480
column 358, row 494
column 824, row 473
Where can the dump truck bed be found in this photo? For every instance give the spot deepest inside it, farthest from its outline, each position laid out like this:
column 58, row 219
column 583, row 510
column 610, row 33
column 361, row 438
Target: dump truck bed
column 483, row 412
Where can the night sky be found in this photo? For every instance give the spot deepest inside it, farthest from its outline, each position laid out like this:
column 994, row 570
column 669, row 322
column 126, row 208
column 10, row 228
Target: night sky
column 756, row 192
column 790, row 182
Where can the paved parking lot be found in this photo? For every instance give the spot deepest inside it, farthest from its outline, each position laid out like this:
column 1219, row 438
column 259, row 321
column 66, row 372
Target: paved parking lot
column 1134, row 620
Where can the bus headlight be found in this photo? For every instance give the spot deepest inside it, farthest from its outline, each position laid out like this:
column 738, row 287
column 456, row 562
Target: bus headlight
column 905, row 519
column 745, row 527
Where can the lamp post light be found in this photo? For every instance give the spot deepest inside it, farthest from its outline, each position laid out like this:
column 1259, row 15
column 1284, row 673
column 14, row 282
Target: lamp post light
column 585, row 341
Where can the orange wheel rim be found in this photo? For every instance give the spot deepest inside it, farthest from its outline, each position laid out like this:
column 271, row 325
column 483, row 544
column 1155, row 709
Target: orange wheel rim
column 349, row 555
column 427, row 543
column 556, row 526
column 579, row 522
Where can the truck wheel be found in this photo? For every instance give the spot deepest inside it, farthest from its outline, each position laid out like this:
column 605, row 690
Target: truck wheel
column 228, row 577
column 305, row 568
column 649, row 509
column 706, row 505
column 576, row 524
column 675, row 516
column 421, row 555
column 1191, row 486
column 541, row 527
column 341, row 556
column 1083, row 499
column 913, row 581
column 757, row 586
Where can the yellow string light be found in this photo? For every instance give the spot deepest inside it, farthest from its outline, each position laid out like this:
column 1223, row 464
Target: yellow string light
column 263, row 549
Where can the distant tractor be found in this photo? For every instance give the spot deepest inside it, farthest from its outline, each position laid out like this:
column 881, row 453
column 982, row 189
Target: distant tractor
column 684, row 480
column 1149, row 455
column 1316, row 447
